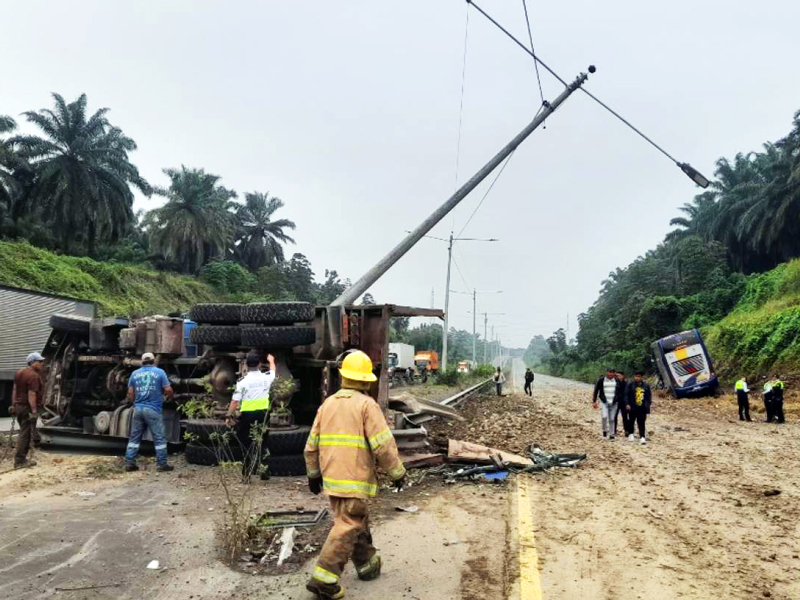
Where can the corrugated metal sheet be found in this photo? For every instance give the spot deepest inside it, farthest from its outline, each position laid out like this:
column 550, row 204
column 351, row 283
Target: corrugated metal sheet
column 25, row 324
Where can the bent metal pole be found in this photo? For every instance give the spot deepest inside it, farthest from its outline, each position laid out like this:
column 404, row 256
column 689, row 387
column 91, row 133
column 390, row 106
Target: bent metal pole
column 351, row 294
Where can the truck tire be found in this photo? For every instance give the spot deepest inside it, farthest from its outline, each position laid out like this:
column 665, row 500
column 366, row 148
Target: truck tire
column 293, row 465
column 208, row 455
column 71, row 324
column 217, row 312
column 278, row 337
column 283, row 442
column 205, row 428
column 216, row 335
column 277, row 313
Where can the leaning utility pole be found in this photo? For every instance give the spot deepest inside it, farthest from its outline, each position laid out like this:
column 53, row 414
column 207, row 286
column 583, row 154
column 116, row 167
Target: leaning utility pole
column 355, row 291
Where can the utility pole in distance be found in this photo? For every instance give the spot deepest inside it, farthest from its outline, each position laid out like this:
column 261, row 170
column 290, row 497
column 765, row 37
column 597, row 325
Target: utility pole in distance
column 485, row 332
column 446, row 331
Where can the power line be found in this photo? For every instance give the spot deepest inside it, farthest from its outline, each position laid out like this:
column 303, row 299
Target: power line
column 496, row 177
column 697, row 177
column 530, row 37
column 455, row 262
column 461, row 105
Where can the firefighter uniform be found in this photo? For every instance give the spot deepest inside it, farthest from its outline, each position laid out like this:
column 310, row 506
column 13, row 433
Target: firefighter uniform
column 742, row 398
column 349, row 435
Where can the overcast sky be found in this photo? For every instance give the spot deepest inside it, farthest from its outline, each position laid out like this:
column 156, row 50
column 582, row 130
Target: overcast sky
column 349, row 112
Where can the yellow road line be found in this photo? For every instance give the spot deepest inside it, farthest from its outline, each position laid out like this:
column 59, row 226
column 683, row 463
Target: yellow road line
column 530, row 583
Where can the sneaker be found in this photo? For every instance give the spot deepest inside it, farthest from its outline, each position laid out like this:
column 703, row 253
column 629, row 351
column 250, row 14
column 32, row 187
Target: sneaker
column 643, row 441
column 164, row 468
column 24, row 464
column 605, row 434
column 611, row 437
column 130, row 467
column 630, row 437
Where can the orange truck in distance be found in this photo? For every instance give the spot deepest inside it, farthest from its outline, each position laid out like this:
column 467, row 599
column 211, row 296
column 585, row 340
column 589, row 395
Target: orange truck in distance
column 427, row 362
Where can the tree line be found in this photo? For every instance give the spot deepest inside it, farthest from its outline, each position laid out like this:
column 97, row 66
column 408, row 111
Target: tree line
column 748, row 222
column 70, row 188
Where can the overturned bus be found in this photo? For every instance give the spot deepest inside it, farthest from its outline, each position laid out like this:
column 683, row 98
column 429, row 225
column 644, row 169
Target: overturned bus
column 684, row 364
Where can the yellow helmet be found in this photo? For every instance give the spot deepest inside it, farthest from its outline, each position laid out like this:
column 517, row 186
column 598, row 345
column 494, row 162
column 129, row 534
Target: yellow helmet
column 358, row 367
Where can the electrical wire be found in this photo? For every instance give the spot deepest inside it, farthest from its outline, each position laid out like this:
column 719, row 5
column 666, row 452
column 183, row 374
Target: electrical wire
column 461, row 105
column 530, row 37
column 554, row 74
column 496, row 177
column 455, row 262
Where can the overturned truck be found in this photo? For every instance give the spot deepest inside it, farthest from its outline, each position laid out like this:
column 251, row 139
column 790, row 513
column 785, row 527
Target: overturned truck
column 89, row 361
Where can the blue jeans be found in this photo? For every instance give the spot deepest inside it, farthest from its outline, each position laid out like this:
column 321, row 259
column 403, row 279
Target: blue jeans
column 146, row 417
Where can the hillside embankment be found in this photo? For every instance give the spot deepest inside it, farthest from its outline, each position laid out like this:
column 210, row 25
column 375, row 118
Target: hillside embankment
column 118, row 289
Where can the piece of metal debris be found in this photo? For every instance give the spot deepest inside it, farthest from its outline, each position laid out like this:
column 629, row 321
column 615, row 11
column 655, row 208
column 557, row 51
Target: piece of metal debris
column 287, row 545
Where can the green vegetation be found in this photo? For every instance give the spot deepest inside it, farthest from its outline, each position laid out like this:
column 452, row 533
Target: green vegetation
column 722, row 270
column 70, row 190
column 762, row 334
column 117, row 288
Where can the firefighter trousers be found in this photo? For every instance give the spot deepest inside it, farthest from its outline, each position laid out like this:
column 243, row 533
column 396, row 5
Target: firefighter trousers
column 350, row 538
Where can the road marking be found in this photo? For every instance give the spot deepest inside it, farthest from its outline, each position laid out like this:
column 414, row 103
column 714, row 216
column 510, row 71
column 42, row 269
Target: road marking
column 530, row 583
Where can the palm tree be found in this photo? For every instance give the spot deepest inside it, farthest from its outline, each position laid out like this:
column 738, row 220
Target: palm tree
column 7, row 165
column 698, row 219
column 82, row 173
column 197, row 222
column 259, row 238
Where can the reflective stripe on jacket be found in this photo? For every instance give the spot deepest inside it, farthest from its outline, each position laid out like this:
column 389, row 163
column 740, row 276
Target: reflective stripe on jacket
column 252, row 391
column 349, row 434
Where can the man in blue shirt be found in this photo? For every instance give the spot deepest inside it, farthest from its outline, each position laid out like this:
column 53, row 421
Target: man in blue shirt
column 147, row 388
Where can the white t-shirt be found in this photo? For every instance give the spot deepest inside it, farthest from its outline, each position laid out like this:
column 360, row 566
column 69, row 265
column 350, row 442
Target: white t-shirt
column 253, row 386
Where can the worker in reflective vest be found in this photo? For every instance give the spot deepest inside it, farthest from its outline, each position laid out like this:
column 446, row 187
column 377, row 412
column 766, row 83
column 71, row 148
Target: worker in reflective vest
column 349, row 434
column 742, row 398
column 251, row 400
column 777, row 399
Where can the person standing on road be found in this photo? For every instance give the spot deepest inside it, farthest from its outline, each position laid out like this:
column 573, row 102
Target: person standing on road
column 147, row 388
column 499, row 380
column 777, row 399
column 528, row 382
column 627, row 423
column 27, row 399
column 768, row 395
column 639, row 399
column 348, row 437
column 742, row 397
column 606, row 389
column 251, row 399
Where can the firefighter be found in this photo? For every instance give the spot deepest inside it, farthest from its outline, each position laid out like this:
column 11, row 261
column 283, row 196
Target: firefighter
column 349, row 434
column 777, row 399
column 742, row 393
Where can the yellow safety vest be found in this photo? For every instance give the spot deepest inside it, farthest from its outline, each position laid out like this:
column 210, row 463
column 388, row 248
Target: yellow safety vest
column 740, row 385
column 252, row 392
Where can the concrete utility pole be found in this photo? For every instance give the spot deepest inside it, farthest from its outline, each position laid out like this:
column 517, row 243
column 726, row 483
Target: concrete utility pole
column 474, row 318
column 474, row 334
column 485, row 339
column 356, row 290
column 447, row 305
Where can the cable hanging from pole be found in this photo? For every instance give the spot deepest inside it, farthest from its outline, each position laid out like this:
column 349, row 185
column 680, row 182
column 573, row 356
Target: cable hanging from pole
column 690, row 171
column 530, row 37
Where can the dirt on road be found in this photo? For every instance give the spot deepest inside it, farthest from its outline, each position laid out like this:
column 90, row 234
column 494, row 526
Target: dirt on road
column 706, row 510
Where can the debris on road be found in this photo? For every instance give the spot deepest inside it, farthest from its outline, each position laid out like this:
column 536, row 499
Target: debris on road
column 85, row 495
column 407, row 404
column 153, row 564
column 287, row 545
column 419, row 461
column 274, row 519
column 459, row 451
column 408, row 509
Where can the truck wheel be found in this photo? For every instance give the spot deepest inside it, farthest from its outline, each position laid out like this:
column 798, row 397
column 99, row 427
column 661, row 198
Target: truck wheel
column 222, row 335
column 205, row 428
column 277, row 313
column 278, row 337
column 71, row 324
column 209, row 455
column 282, row 442
column 293, row 465
column 217, row 312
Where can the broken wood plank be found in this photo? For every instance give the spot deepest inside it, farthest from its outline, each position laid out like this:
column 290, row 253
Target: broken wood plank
column 459, row 451
column 417, row 461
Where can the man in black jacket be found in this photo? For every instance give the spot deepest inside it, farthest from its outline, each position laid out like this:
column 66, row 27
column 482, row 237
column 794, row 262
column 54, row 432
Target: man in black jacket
column 606, row 389
column 638, row 401
column 528, row 382
column 622, row 388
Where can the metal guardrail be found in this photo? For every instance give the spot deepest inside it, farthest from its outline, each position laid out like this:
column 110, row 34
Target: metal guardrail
column 453, row 400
